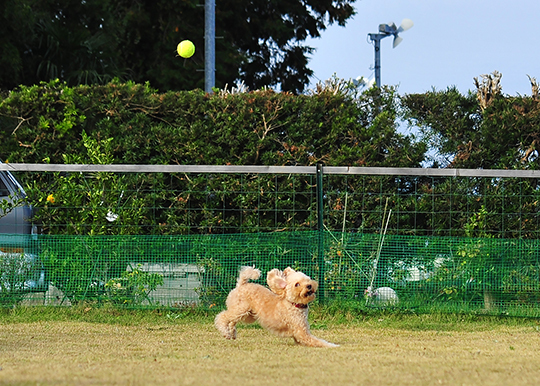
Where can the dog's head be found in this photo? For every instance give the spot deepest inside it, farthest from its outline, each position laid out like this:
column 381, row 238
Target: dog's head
column 300, row 289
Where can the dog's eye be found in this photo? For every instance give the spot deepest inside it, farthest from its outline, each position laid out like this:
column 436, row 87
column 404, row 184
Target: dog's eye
column 297, row 284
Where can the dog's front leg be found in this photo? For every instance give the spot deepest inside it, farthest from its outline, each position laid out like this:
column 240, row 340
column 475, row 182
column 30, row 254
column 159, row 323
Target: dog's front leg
column 306, row 339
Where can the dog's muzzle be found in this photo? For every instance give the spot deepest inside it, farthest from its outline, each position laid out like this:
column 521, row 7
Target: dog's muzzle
column 311, row 291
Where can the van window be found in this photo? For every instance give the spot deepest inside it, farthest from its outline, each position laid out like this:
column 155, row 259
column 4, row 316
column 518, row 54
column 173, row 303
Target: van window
column 4, row 192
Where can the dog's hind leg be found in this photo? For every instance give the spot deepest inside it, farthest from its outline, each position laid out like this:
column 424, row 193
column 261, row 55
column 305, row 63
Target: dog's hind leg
column 225, row 325
column 226, row 321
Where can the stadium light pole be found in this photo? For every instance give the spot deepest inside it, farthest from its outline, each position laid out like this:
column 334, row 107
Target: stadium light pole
column 386, row 30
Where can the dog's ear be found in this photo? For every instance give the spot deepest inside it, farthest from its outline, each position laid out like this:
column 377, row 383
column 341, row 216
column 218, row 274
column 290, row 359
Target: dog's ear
column 282, row 283
column 274, row 272
column 276, row 280
column 288, row 271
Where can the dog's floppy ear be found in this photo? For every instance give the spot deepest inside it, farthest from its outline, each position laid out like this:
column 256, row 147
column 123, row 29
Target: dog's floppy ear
column 288, row 271
column 282, row 283
column 276, row 280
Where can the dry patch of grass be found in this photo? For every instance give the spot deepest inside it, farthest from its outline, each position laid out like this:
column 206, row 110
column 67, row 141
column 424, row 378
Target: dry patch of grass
column 190, row 352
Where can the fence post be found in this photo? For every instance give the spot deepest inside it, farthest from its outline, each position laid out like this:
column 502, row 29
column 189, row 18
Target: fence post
column 320, row 229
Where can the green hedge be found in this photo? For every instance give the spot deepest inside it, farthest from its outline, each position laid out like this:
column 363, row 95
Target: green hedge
column 42, row 122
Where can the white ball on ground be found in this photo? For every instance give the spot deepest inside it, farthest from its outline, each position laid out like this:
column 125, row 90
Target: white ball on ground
column 382, row 296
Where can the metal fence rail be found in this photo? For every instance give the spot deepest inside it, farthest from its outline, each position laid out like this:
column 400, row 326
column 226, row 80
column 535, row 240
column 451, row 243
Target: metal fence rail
column 258, row 169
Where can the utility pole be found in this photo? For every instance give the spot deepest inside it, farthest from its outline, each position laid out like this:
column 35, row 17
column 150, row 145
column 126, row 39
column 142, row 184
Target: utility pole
column 209, row 45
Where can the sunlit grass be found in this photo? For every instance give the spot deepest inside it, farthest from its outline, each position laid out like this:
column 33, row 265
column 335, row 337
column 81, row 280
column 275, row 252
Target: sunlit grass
column 91, row 345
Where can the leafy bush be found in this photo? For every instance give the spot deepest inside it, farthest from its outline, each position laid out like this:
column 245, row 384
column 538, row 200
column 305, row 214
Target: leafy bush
column 99, row 204
column 133, row 287
column 14, row 271
column 81, row 266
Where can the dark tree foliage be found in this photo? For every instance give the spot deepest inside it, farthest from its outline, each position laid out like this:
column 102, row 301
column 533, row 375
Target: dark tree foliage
column 88, row 42
column 504, row 135
column 17, row 22
column 270, row 35
column 46, row 39
column 510, row 134
column 451, row 122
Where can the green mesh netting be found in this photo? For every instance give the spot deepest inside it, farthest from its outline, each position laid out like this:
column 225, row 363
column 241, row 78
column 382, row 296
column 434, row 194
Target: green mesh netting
column 403, row 272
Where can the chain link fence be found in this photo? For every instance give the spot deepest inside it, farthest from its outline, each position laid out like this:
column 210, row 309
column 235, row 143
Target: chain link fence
column 175, row 236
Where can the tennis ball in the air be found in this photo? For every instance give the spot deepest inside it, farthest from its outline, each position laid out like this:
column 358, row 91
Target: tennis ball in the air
column 186, row 49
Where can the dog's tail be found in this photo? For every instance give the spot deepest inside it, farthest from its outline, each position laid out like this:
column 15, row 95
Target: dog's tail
column 246, row 274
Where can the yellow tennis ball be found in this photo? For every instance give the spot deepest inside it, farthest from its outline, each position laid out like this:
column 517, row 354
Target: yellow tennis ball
column 186, row 49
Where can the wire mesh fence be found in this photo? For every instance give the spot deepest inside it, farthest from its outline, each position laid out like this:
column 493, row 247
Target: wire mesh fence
column 401, row 239
column 172, row 203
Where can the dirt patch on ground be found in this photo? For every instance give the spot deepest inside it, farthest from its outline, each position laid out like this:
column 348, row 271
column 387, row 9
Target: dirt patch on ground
column 67, row 353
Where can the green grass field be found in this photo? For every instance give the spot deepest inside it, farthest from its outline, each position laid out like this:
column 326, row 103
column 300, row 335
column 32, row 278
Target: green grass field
column 88, row 346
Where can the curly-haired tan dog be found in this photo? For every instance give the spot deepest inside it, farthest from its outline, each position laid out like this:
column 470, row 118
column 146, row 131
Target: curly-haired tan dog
column 285, row 314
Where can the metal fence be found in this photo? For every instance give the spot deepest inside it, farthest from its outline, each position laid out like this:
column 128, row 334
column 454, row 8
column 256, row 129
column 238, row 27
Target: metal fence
column 422, row 239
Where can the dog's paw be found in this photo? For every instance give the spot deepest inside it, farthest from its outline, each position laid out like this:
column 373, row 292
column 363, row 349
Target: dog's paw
column 328, row 344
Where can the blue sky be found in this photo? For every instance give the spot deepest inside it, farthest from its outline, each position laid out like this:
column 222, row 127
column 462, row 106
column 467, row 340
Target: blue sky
column 451, row 42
